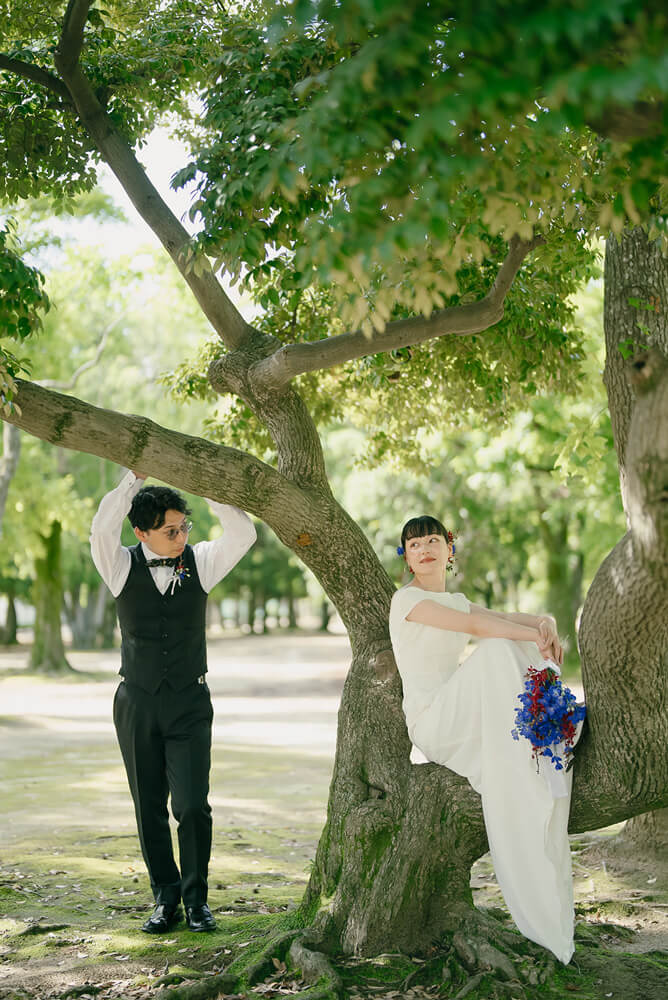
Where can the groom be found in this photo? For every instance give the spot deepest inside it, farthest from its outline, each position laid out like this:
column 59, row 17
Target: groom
column 162, row 707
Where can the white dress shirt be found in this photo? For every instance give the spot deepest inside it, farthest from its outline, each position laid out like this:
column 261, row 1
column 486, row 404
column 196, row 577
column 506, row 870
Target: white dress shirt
column 213, row 560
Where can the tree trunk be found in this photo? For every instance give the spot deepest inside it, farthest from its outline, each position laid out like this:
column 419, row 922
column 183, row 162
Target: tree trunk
column 325, row 614
column 9, row 635
column 48, row 652
column 563, row 581
column 624, row 627
column 647, row 834
column 11, row 452
column 87, row 621
column 107, row 633
column 292, row 611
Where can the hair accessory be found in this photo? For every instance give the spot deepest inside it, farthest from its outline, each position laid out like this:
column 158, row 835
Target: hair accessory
column 400, row 550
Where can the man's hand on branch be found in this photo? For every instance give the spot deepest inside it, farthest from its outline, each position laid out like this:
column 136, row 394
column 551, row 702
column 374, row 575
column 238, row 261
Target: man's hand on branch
column 138, row 475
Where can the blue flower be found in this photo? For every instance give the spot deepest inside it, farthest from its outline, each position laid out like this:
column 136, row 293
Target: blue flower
column 547, row 716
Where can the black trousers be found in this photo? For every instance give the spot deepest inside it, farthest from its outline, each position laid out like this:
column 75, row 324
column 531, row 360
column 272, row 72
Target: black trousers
column 165, row 740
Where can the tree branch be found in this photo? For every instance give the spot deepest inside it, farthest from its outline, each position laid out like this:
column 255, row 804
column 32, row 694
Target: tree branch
column 295, row 359
column 37, row 75
column 71, row 38
column 221, row 312
column 136, row 442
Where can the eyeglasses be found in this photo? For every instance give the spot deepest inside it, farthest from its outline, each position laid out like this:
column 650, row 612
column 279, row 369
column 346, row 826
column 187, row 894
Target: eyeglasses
column 173, row 533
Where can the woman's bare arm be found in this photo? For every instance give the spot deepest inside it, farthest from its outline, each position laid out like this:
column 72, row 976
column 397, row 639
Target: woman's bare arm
column 549, row 644
column 534, row 621
column 482, row 625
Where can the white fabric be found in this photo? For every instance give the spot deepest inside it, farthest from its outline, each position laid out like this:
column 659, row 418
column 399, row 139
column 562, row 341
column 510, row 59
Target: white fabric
column 461, row 716
column 214, row 559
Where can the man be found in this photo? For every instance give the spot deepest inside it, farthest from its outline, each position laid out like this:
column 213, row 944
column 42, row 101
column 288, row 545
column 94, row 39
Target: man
column 162, row 708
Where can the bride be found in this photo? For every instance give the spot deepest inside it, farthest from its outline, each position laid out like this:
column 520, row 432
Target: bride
column 461, row 715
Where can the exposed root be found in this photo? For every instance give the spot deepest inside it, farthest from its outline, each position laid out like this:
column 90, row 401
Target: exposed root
column 263, row 965
column 478, row 953
column 482, row 958
column 209, row 988
column 315, row 967
column 175, row 978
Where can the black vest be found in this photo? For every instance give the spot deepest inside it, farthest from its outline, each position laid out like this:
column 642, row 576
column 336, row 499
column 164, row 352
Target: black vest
column 163, row 635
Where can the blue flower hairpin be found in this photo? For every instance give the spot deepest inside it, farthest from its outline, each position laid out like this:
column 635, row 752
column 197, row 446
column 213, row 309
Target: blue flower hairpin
column 400, row 550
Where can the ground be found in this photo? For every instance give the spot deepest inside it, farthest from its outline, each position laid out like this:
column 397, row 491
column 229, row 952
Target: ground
column 73, row 890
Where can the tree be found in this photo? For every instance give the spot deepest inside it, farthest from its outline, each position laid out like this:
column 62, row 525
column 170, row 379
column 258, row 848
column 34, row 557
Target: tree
column 392, row 867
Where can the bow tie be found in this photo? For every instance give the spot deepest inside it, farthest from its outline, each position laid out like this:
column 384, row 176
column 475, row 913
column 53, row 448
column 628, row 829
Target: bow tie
column 163, row 562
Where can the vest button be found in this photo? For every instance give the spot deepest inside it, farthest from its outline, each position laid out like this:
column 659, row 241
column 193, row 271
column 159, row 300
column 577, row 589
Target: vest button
column 164, row 652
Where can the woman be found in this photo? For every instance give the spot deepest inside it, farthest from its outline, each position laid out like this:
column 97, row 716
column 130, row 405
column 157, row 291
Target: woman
column 461, row 716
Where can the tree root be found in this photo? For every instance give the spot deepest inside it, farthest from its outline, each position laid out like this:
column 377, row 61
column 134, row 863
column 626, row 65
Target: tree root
column 208, row 988
column 263, row 965
column 175, row 978
column 484, row 959
column 315, row 967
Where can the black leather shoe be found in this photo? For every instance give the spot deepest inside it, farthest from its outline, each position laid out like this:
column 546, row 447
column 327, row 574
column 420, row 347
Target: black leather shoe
column 200, row 918
column 163, row 918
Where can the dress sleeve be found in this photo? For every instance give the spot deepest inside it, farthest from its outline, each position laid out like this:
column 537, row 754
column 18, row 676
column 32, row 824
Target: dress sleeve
column 461, row 603
column 407, row 598
column 404, row 601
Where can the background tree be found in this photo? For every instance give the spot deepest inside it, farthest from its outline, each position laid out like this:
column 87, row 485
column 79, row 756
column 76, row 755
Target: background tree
column 267, row 575
column 500, row 169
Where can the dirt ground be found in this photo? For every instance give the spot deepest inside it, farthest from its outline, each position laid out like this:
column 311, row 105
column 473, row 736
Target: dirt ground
column 72, row 884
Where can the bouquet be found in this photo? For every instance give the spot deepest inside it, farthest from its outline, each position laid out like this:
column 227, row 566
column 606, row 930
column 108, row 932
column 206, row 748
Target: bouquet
column 548, row 716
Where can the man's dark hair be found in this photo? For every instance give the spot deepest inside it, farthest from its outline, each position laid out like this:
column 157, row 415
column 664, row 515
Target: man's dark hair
column 150, row 505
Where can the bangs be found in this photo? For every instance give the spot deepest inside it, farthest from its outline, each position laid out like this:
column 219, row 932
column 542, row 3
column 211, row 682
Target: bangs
column 418, row 527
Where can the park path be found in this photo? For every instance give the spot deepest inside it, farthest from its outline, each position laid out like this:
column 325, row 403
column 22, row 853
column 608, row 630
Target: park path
column 267, row 691
column 275, row 700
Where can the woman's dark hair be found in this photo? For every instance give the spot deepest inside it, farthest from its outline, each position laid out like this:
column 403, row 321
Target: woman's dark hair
column 150, row 505
column 418, row 527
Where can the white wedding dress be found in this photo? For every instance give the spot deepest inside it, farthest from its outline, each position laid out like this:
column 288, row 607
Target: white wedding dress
column 461, row 716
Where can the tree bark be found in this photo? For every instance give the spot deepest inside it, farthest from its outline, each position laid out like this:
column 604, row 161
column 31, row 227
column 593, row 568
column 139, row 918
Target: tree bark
column 636, row 295
column 48, row 652
column 624, row 627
